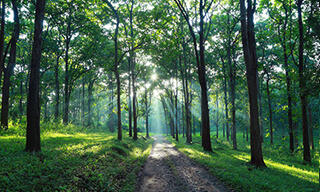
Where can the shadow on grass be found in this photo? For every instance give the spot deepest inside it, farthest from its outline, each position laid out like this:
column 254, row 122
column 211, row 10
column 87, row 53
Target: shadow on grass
column 80, row 162
column 232, row 167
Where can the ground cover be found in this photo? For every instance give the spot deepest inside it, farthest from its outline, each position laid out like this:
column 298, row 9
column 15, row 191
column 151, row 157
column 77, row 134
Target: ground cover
column 72, row 159
column 285, row 172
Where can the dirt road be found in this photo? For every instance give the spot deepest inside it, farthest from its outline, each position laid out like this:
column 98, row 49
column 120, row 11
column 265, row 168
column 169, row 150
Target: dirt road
column 167, row 169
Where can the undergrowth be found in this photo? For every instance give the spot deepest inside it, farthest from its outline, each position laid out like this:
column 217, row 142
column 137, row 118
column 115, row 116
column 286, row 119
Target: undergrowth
column 285, row 172
column 72, row 159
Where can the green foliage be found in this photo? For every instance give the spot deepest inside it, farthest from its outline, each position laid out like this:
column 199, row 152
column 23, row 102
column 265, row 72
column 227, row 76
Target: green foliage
column 71, row 161
column 285, row 172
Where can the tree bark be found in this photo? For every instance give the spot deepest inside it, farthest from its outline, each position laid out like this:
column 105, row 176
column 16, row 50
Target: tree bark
column 270, row 111
column 57, row 89
column 249, row 49
column 303, row 96
column 131, row 68
column 66, row 79
column 310, row 125
column 90, row 98
column 3, row 14
column 9, row 69
column 33, row 105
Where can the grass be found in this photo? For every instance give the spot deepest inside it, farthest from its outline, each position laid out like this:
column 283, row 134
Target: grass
column 71, row 160
column 285, row 172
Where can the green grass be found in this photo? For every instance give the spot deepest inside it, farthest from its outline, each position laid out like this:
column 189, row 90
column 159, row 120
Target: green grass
column 285, row 172
column 71, row 160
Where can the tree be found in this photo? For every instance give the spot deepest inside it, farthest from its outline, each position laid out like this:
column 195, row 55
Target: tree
column 9, row 69
column 302, row 83
column 204, row 8
column 249, row 49
column 33, row 106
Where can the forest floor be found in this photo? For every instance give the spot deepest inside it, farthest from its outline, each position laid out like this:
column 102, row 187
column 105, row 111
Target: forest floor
column 167, row 169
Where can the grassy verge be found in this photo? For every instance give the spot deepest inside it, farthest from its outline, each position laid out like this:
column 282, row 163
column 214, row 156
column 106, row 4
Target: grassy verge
column 285, row 172
column 72, row 161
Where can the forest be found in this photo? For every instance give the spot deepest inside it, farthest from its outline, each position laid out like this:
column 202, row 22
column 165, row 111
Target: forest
column 92, row 88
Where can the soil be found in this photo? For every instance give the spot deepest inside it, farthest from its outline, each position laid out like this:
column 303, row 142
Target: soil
column 167, row 169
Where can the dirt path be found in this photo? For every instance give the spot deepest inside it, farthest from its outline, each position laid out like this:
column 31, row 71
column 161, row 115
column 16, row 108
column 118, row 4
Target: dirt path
column 167, row 169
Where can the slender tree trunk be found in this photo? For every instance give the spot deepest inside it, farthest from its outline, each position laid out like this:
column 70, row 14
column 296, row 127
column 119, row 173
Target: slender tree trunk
column 176, row 107
column 134, row 99
column 260, row 108
column 21, row 99
column 206, row 142
column 3, row 14
column 131, row 68
column 83, row 102
column 249, row 49
column 310, row 125
column 33, row 106
column 90, row 98
column 288, row 82
column 233, row 99
column 9, row 69
column 147, row 110
column 57, row 89
column 129, row 100
column 303, row 96
column 226, row 103
column 270, row 112
column 217, row 118
column 66, row 86
column 111, row 104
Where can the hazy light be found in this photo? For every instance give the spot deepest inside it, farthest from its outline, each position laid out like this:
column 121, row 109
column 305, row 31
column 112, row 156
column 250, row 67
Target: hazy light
column 154, row 77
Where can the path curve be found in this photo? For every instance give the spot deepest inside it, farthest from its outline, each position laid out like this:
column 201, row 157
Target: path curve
column 167, row 169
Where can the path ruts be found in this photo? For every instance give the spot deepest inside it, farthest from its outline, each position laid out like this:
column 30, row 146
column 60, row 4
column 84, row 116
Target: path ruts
column 169, row 170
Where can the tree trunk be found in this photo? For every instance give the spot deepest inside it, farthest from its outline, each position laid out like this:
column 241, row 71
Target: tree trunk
column 66, row 83
column 226, row 101
column 176, row 106
column 134, row 99
column 111, row 104
column 270, row 112
column 303, row 96
column 249, row 49
column 147, row 108
column 233, row 99
column 217, row 117
column 33, row 105
column 129, row 100
column 57, row 89
column 3, row 14
column 21, row 99
column 116, row 71
column 9, row 69
column 310, row 125
column 83, row 101
column 90, row 98
column 260, row 108
column 131, row 68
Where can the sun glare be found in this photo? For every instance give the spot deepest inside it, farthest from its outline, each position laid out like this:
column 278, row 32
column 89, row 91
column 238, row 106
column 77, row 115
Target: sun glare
column 154, row 77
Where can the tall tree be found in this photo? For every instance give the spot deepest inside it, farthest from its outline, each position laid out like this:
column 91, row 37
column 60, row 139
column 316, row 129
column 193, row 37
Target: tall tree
column 116, row 70
column 302, row 83
column 33, row 107
column 9, row 69
column 204, row 8
column 249, row 49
